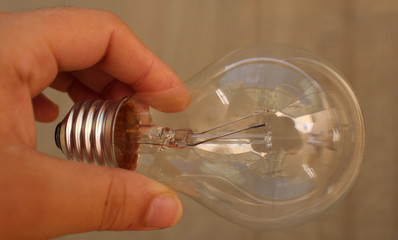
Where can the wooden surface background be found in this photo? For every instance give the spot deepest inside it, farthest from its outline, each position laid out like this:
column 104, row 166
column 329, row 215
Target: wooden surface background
column 360, row 37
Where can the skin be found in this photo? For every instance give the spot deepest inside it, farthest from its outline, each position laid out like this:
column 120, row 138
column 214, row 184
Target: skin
column 88, row 54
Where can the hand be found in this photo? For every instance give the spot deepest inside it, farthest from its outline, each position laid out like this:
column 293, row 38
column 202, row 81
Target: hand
column 89, row 54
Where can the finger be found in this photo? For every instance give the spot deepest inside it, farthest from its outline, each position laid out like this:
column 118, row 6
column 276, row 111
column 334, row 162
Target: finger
column 53, row 197
column 102, row 38
column 63, row 81
column 79, row 92
column 44, row 109
column 117, row 90
column 170, row 100
column 94, row 78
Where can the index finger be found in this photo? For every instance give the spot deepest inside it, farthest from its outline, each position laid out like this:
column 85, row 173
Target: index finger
column 68, row 39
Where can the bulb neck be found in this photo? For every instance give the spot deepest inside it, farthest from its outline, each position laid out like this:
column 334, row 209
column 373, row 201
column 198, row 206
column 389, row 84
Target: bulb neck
column 156, row 138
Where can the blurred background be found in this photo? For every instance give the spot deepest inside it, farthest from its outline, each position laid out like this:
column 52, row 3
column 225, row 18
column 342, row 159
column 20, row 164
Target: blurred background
column 360, row 37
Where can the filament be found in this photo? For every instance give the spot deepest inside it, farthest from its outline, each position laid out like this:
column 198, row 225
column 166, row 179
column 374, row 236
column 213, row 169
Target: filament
column 226, row 134
column 234, row 121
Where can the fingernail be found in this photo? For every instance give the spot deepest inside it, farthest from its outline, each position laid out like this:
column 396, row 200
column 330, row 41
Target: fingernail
column 162, row 212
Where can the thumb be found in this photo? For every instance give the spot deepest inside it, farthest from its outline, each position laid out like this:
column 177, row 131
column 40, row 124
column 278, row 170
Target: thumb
column 47, row 197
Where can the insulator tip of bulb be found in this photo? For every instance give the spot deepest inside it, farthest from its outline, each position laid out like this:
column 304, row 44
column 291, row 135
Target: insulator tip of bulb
column 57, row 136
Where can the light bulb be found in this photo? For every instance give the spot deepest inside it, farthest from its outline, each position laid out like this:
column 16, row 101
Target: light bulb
column 272, row 138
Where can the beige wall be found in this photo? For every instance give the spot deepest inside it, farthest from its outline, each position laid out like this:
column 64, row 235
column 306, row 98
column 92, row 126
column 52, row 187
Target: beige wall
column 360, row 37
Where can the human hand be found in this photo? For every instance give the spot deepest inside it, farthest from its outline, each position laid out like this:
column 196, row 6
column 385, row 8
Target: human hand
column 90, row 54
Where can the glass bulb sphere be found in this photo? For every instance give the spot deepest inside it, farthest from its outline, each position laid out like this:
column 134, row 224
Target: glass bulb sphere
column 272, row 138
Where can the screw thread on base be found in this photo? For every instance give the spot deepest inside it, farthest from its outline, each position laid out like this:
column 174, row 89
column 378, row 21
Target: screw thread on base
column 86, row 133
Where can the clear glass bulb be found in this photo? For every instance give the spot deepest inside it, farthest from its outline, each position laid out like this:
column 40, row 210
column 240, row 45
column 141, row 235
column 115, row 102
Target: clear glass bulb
column 273, row 137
